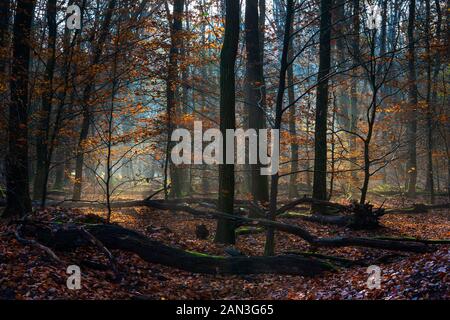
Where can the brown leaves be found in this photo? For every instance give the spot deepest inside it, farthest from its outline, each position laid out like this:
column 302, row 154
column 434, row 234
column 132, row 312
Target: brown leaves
column 27, row 274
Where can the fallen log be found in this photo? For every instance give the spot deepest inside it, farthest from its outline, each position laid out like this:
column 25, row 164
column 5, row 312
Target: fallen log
column 335, row 260
column 288, row 228
column 117, row 237
column 248, row 230
column 359, row 217
column 207, row 202
column 304, row 200
column 418, row 208
column 386, row 258
column 342, row 221
column 405, row 194
column 410, row 239
column 298, row 231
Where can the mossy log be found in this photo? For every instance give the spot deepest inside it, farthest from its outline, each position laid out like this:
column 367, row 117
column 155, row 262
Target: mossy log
column 117, row 237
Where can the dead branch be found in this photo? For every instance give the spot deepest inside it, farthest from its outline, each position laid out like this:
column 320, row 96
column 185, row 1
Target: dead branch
column 36, row 244
column 102, row 248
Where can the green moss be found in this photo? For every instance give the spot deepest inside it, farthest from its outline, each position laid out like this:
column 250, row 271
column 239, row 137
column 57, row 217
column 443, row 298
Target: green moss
column 395, row 238
column 293, row 215
column 204, row 255
column 249, row 230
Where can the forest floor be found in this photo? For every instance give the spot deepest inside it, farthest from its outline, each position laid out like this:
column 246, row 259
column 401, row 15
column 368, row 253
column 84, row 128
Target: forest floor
column 26, row 273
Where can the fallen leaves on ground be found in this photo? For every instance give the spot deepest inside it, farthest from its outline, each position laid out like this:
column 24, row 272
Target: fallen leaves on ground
column 27, row 273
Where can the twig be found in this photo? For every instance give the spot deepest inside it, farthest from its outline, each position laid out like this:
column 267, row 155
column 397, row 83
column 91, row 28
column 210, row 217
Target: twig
column 99, row 245
column 36, row 244
column 157, row 192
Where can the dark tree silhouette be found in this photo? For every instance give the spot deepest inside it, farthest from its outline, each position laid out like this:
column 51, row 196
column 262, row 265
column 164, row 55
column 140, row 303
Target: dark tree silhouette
column 254, row 92
column 18, row 196
column 411, row 165
column 225, row 229
column 320, row 142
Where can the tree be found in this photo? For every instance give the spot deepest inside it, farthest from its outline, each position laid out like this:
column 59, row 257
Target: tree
column 4, row 23
column 320, row 134
column 176, row 26
column 18, row 196
column 429, row 185
column 43, row 160
column 355, row 43
column 86, row 120
column 225, row 229
column 269, row 247
column 293, row 192
column 377, row 69
column 411, row 165
column 254, row 86
column 4, row 53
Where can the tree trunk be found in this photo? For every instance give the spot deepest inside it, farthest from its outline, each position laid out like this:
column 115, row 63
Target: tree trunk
column 293, row 178
column 173, row 103
column 320, row 134
column 254, row 99
column 354, row 92
column 412, row 112
column 4, row 70
column 60, row 168
column 383, row 91
column 225, row 229
column 18, row 196
column 429, row 185
column 340, row 31
column 42, row 138
column 269, row 247
column 4, row 37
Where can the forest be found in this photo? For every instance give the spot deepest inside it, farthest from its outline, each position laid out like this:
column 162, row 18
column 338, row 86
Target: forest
column 227, row 149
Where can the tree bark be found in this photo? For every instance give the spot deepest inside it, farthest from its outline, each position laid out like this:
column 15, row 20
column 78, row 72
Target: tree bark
column 293, row 178
column 4, row 36
column 225, row 229
column 320, row 134
column 429, row 185
column 173, row 103
column 42, row 137
column 4, row 70
column 411, row 166
column 354, row 91
column 17, row 181
column 254, row 98
column 340, row 30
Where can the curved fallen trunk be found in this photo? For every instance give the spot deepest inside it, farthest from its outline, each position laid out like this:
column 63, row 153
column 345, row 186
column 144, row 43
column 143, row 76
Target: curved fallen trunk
column 291, row 205
column 342, row 221
column 116, row 237
column 288, row 228
column 298, row 231
column 418, row 208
